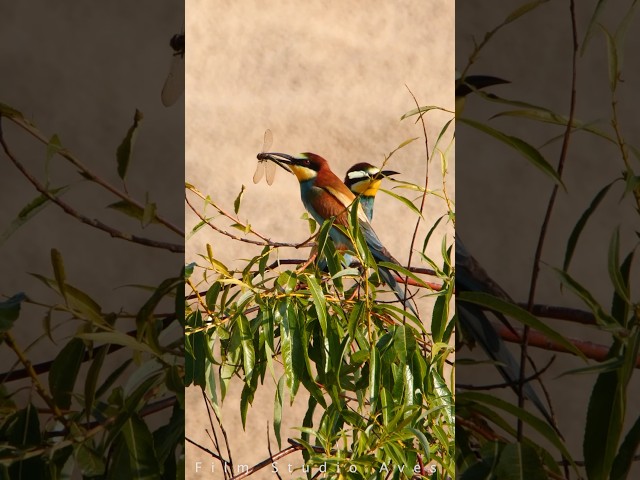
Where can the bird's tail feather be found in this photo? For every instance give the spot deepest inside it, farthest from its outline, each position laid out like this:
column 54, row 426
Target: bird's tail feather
column 398, row 289
column 476, row 323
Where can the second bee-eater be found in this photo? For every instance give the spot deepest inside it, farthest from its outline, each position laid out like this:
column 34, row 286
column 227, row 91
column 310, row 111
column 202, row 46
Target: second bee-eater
column 471, row 277
column 364, row 179
column 325, row 196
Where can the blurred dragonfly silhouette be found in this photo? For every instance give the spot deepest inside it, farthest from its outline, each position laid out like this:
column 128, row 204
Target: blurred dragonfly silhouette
column 265, row 167
column 174, row 83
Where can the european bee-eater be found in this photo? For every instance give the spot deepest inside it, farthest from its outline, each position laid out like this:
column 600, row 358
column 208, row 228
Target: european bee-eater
column 471, row 277
column 325, row 196
column 364, row 179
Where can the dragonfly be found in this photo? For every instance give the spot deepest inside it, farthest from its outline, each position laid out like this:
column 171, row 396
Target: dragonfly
column 174, row 84
column 265, row 167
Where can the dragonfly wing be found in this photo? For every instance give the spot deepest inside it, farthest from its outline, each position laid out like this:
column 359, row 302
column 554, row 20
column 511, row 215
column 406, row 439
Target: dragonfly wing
column 270, row 168
column 174, row 84
column 257, row 176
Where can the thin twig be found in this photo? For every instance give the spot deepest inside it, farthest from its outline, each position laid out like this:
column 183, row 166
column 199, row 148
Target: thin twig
column 545, row 224
column 264, row 243
column 9, row 340
column 495, row 386
column 426, row 184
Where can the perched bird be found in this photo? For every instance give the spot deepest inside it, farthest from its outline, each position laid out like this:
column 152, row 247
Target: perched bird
column 364, row 179
column 471, row 277
column 325, row 196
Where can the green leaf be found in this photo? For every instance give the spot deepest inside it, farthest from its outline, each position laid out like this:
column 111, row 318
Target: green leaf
column 537, row 424
column 621, row 287
column 519, row 314
column 123, row 153
column 10, row 311
column 319, row 301
column 374, row 377
column 58, row 272
column 142, row 455
column 118, row 338
column 53, row 147
column 145, row 215
column 602, row 317
column 64, row 372
column 149, row 213
column 81, row 303
column 90, row 462
column 404, row 200
column 525, row 149
column 238, row 200
column 520, row 462
column 277, row 410
column 443, row 396
column 592, row 24
column 579, row 226
column 612, row 51
column 91, row 380
column 248, row 352
column 625, row 457
column 605, row 418
column 29, row 211
column 523, row 10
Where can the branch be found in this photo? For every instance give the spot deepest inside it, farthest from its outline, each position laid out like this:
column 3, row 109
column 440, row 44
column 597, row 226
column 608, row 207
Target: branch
column 85, row 172
column 591, row 350
column 265, row 241
column 547, row 217
column 86, row 220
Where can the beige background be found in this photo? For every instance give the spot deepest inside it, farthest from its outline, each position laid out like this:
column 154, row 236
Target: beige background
column 326, row 77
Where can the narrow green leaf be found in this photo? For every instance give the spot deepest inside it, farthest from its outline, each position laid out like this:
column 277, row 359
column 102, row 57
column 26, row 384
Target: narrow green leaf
column 625, row 457
column 248, row 352
column 118, row 338
column 277, row 410
column 64, row 372
column 602, row 317
column 579, row 226
column 319, row 301
column 619, row 284
column 134, row 211
column 142, row 455
column 525, row 149
column 374, row 377
column 612, row 55
column 58, row 272
column 404, row 200
column 90, row 462
column 29, row 211
column 523, row 10
column 91, row 380
column 520, row 462
column 238, row 200
column 537, row 424
column 123, row 153
column 605, row 418
column 519, row 314
column 592, row 24
column 149, row 213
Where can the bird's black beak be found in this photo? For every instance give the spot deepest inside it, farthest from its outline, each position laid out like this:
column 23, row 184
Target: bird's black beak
column 281, row 159
column 387, row 173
